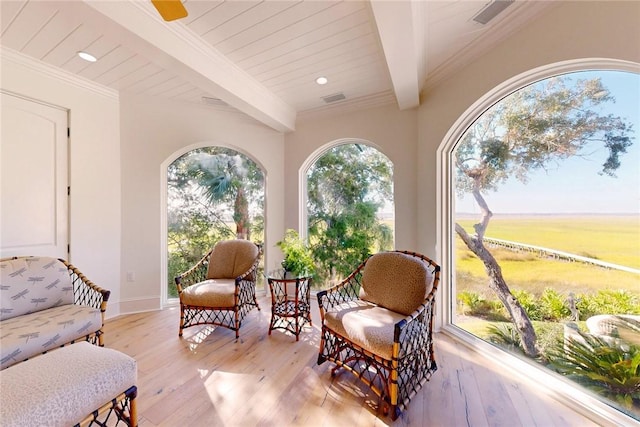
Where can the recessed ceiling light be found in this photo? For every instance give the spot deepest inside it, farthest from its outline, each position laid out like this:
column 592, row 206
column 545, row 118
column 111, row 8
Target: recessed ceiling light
column 87, row 56
column 322, row 80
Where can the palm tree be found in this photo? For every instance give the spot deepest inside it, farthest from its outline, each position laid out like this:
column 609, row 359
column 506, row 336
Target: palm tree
column 226, row 176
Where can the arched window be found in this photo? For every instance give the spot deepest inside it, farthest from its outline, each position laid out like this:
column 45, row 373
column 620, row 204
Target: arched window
column 350, row 209
column 543, row 201
column 213, row 193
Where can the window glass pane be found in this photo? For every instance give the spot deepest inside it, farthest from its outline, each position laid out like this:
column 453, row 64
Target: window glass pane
column 214, row 193
column 547, row 224
column 350, row 210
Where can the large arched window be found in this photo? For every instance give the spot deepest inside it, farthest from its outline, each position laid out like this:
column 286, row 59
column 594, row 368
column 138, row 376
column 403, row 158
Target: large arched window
column 543, row 237
column 213, row 193
column 350, row 208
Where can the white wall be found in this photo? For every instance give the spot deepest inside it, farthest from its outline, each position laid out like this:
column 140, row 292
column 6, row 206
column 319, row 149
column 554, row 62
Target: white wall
column 94, row 164
column 393, row 132
column 154, row 130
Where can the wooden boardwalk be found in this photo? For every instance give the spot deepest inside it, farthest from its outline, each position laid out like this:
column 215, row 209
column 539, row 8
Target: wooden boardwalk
column 555, row 254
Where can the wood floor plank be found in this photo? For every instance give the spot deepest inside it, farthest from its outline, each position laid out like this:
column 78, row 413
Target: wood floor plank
column 466, row 385
column 208, row 378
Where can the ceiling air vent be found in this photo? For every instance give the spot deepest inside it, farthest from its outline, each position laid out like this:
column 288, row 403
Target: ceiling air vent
column 491, row 10
column 214, row 101
column 334, row 98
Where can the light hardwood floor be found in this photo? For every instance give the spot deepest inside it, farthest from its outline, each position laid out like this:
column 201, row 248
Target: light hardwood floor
column 208, row 378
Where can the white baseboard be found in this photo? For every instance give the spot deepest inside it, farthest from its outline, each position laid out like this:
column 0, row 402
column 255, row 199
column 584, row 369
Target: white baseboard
column 135, row 305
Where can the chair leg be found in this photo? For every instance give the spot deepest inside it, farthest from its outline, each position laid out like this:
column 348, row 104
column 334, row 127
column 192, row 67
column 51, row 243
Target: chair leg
column 334, row 370
column 133, row 409
column 272, row 322
column 181, row 320
column 395, row 412
column 237, row 323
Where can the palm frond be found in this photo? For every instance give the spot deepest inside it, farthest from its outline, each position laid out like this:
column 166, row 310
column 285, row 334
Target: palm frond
column 608, row 367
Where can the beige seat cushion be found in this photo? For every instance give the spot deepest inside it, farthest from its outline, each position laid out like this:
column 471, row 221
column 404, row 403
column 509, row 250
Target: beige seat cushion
column 396, row 281
column 231, row 258
column 29, row 335
column 366, row 324
column 210, row 293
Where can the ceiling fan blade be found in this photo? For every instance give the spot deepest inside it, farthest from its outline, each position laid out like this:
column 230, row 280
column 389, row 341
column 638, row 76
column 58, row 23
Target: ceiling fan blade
column 170, row 9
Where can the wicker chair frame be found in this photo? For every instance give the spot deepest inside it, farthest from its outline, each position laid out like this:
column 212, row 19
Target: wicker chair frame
column 227, row 317
column 397, row 380
column 123, row 407
column 85, row 292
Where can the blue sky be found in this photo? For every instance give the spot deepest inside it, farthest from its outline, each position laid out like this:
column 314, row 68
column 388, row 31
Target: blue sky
column 575, row 186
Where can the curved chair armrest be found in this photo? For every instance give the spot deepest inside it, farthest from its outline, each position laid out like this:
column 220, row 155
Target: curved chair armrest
column 85, row 292
column 345, row 291
column 251, row 274
column 417, row 324
column 412, row 332
column 195, row 274
column 247, row 281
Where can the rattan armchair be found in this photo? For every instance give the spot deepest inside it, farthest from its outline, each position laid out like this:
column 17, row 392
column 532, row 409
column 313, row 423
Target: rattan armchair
column 221, row 288
column 377, row 324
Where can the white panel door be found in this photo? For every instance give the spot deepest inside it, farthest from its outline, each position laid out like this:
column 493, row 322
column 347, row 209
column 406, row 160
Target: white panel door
column 33, row 178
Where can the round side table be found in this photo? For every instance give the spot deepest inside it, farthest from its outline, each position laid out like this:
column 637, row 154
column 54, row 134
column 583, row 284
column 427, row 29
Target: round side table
column 290, row 301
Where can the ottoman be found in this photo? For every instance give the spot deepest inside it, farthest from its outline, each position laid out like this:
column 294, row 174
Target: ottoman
column 78, row 384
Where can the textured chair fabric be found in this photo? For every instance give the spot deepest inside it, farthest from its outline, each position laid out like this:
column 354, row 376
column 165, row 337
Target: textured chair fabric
column 378, row 324
column 231, row 258
column 211, row 293
column 396, row 281
column 366, row 324
column 62, row 387
column 220, row 288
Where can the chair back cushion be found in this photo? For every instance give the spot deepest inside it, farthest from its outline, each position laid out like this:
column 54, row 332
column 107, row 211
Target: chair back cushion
column 231, row 258
column 396, row 281
column 30, row 284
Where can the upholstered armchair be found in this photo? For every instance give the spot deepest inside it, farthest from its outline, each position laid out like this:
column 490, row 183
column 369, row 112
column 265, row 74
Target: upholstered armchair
column 46, row 303
column 377, row 324
column 221, row 288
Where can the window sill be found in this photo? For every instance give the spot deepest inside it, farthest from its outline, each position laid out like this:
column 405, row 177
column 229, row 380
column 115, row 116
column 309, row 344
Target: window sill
column 550, row 384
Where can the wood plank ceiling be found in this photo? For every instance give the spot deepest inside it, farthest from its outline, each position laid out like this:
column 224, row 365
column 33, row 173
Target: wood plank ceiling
column 261, row 56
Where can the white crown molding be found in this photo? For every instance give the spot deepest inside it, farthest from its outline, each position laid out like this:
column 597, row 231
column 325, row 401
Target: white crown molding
column 498, row 30
column 7, row 54
column 350, row 105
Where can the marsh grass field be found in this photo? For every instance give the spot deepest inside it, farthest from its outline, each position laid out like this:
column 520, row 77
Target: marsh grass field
column 613, row 239
column 610, row 238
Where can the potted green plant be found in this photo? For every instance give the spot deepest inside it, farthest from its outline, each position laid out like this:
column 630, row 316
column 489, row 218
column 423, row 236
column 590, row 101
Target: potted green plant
column 298, row 259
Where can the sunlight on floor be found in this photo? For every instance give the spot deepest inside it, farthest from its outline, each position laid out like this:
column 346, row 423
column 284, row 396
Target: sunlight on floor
column 199, row 337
